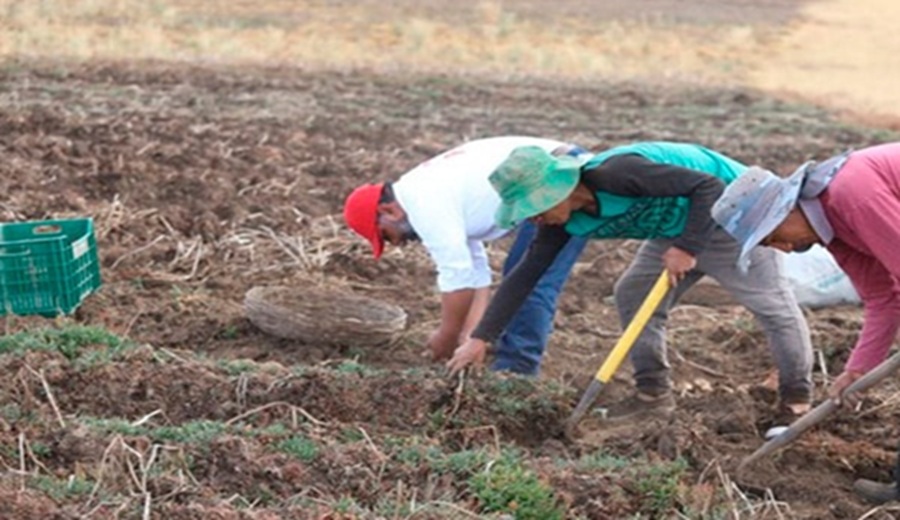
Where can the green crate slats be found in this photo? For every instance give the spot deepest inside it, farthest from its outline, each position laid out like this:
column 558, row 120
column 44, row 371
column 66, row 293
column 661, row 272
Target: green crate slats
column 47, row 267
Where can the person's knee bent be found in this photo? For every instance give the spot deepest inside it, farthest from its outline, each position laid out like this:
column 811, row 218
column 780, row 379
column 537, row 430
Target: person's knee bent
column 624, row 296
column 785, row 318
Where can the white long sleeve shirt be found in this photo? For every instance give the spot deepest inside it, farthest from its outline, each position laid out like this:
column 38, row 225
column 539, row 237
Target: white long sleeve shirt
column 450, row 205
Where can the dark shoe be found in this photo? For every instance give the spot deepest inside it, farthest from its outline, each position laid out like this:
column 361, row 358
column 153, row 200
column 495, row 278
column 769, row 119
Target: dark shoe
column 876, row 492
column 641, row 406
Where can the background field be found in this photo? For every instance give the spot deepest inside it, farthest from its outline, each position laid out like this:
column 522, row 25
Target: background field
column 840, row 53
column 214, row 144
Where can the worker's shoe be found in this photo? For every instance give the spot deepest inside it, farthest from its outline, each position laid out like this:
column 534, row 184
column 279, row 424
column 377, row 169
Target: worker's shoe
column 641, row 406
column 785, row 415
column 876, row 492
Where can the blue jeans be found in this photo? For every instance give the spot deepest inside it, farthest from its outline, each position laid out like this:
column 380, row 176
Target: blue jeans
column 521, row 346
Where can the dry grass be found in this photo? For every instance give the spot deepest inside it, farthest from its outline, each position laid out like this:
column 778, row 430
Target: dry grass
column 491, row 38
column 839, row 53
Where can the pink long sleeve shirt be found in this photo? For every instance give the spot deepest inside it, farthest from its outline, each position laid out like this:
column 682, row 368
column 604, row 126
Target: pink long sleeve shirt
column 862, row 204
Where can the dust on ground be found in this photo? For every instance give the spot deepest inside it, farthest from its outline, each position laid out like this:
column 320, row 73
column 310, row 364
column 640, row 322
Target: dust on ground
column 205, row 182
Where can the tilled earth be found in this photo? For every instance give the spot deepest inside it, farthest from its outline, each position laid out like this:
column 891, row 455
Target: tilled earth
column 206, row 182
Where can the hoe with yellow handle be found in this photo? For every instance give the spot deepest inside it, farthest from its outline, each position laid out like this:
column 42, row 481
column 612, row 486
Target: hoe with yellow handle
column 620, row 350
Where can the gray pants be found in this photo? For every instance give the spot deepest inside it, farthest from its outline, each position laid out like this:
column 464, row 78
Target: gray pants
column 763, row 290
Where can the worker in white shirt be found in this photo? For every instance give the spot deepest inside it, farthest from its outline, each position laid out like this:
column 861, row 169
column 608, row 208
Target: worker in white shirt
column 448, row 205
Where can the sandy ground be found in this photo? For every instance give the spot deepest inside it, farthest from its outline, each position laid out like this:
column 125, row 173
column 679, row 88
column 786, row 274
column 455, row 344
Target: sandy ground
column 843, row 53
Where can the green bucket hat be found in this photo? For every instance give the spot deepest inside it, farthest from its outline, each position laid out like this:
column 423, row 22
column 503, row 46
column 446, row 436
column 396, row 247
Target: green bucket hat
column 530, row 181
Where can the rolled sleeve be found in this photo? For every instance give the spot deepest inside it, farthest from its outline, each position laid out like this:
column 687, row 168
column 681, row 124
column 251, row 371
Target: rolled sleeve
column 463, row 268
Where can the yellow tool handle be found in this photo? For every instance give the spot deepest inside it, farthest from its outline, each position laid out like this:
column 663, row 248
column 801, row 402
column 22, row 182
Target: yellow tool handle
column 656, row 294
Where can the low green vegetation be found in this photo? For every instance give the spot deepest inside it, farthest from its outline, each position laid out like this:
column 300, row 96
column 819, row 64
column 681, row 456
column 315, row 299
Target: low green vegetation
column 601, row 461
column 192, row 432
column 61, row 489
column 236, row 367
column 508, row 485
column 659, row 485
column 502, row 482
column 508, row 393
column 496, row 483
column 72, row 341
column 354, row 367
column 299, row 446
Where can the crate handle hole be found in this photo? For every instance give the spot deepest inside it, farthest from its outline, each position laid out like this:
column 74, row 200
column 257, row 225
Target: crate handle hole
column 14, row 251
column 46, row 229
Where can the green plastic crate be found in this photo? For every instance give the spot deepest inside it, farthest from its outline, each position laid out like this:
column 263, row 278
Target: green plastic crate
column 47, row 267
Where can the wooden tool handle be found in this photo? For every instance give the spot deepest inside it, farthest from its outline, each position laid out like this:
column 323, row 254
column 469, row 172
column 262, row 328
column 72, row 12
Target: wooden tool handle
column 819, row 413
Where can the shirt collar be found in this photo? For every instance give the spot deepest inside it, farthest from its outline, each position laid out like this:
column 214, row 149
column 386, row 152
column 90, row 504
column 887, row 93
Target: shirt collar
column 817, row 178
column 819, row 175
column 815, row 214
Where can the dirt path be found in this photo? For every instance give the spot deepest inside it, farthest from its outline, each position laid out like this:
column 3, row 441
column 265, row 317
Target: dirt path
column 842, row 53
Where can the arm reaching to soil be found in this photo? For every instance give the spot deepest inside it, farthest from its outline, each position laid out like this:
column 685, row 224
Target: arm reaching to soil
column 514, row 289
column 460, row 311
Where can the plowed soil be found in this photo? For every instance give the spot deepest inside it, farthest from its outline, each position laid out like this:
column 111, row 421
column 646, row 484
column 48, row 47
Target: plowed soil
column 205, row 182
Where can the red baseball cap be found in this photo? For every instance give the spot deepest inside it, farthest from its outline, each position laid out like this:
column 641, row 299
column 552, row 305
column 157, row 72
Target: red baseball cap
column 361, row 214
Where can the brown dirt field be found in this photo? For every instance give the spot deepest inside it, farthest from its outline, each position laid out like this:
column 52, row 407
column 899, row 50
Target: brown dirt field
column 205, row 182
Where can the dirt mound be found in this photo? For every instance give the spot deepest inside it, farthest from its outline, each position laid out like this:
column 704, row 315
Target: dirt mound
column 204, row 183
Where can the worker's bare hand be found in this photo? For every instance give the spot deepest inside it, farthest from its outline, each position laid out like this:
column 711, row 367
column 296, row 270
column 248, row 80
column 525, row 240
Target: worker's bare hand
column 678, row 262
column 441, row 345
column 472, row 352
column 840, row 384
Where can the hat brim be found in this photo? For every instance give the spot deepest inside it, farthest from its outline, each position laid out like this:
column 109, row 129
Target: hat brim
column 785, row 203
column 505, row 216
column 377, row 245
column 512, row 213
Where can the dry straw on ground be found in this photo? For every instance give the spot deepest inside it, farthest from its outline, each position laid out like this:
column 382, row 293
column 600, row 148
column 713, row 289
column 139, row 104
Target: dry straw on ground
column 479, row 37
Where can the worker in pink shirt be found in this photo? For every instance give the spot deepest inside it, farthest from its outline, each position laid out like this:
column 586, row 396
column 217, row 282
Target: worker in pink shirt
column 851, row 205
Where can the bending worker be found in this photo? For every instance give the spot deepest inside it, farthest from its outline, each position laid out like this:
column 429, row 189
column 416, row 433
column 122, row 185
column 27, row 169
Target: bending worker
column 661, row 192
column 851, row 205
column 448, row 204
